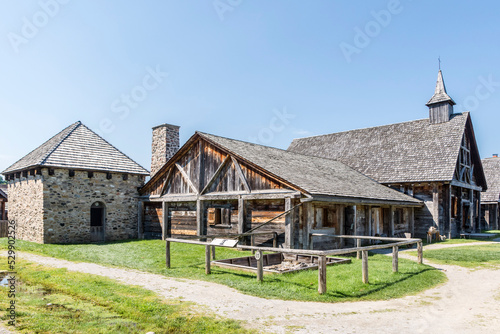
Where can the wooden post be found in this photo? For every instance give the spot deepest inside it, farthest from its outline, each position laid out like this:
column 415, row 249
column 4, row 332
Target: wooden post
column 275, row 239
column 140, row 220
column 201, row 228
column 242, row 213
column 165, row 221
column 358, row 244
column 395, row 251
column 207, row 259
column 322, row 275
column 370, row 232
column 289, row 230
column 420, row 252
column 252, row 242
column 392, row 221
column 435, row 206
column 365, row 267
column 167, row 254
column 260, row 266
column 213, row 252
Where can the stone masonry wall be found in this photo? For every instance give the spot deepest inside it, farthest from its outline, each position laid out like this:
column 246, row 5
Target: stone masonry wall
column 67, row 202
column 164, row 145
column 26, row 207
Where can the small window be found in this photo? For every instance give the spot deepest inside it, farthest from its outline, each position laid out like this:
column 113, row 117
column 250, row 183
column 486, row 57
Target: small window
column 25, row 173
column 90, row 175
column 32, row 172
column 219, row 216
column 109, row 176
column 125, row 177
column 71, row 173
column 51, row 171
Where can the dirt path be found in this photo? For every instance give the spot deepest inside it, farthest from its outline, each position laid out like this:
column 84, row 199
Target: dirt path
column 465, row 304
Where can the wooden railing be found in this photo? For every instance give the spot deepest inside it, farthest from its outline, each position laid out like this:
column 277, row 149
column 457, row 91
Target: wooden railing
column 395, row 243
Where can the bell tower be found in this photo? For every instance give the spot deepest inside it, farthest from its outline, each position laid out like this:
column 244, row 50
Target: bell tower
column 441, row 104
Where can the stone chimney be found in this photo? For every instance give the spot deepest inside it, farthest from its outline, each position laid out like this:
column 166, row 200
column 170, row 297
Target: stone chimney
column 164, row 145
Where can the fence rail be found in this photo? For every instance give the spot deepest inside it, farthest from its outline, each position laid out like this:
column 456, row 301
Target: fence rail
column 322, row 254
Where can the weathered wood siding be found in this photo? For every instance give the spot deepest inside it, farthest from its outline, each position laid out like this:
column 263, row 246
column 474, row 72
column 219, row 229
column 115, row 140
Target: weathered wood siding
column 152, row 220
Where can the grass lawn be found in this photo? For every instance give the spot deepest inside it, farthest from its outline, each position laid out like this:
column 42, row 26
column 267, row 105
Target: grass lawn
column 482, row 256
column 343, row 281
column 494, row 234
column 52, row 300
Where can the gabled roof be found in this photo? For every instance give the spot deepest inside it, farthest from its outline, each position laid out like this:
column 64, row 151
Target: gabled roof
column 3, row 191
column 415, row 151
column 78, row 147
column 316, row 176
column 491, row 168
column 440, row 94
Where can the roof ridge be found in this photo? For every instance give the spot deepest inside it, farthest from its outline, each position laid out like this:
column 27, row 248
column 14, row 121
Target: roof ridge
column 374, row 127
column 75, row 126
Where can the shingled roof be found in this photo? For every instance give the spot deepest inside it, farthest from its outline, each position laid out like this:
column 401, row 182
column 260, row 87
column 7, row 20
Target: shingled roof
column 491, row 168
column 78, row 147
column 317, row 176
column 415, row 151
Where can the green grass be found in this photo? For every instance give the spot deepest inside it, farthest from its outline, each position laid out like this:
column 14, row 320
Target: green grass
column 58, row 301
column 479, row 256
column 494, row 234
column 343, row 282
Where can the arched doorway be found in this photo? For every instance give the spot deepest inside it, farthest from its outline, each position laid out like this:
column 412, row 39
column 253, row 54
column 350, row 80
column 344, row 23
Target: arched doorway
column 97, row 222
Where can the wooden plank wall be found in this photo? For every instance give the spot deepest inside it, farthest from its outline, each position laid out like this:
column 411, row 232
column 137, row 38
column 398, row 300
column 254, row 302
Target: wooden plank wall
column 152, row 220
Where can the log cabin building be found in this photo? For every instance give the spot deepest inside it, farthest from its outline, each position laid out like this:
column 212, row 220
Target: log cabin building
column 214, row 185
column 490, row 198
column 435, row 160
column 3, row 201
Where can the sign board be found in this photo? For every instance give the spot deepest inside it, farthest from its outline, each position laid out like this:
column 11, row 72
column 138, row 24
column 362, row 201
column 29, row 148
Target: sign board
column 224, row 242
column 258, row 255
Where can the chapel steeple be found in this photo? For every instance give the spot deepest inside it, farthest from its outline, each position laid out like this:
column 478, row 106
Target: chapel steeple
column 441, row 104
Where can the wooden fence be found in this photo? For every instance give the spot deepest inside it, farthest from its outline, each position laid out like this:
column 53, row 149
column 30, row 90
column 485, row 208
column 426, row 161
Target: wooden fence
column 394, row 243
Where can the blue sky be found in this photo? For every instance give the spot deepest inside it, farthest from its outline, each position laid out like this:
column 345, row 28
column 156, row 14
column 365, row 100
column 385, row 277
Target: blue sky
column 261, row 71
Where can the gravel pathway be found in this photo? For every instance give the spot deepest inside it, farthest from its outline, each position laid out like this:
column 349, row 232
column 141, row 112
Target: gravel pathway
column 465, row 304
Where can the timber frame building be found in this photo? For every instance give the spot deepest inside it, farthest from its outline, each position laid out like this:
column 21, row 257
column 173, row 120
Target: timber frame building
column 435, row 160
column 214, row 185
column 490, row 199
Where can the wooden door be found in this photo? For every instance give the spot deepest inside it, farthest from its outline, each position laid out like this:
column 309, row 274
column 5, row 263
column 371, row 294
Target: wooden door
column 97, row 218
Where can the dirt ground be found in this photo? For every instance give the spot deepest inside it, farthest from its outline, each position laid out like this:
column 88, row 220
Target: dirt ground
column 467, row 303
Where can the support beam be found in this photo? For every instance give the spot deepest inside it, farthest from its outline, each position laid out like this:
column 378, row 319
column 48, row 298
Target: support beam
column 216, row 175
column 201, row 221
column 472, row 211
column 412, row 222
column 395, row 251
column 358, row 244
column 165, row 183
column 242, row 213
column 322, row 275
column 435, row 206
column 186, row 178
column 365, row 266
column 308, row 224
column 369, row 232
column 165, row 224
column 140, row 220
column 392, row 221
column 478, row 214
column 289, row 230
column 240, row 174
column 213, row 252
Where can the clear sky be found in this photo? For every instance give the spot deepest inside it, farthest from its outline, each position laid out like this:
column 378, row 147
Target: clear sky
column 256, row 70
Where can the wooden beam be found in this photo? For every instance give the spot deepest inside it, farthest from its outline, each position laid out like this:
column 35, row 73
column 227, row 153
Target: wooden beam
column 322, row 275
column 242, row 177
column 289, row 230
column 167, row 254
column 166, row 182
column 216, row 175
column 186, row 178
column 242, row 213
column 207, row 260
column 420, row 252
column 165, row 226
column 201, row 228
column 392, row 220
column 260, row 266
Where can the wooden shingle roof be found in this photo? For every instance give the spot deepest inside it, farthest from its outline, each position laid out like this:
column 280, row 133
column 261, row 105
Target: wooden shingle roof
column 491, row 168
column 78, row 147
column 415, row 151
column 317, row 176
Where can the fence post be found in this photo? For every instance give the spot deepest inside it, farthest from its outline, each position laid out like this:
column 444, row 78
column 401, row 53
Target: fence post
column 213, row 252
column 252, row 243
column 322, row 275
column 167, row 254
column 358, row 244
column 365, row 266
column 420, row 252
column 207, row 259
column 395, row 251
column 275, row 240
column 260, row 266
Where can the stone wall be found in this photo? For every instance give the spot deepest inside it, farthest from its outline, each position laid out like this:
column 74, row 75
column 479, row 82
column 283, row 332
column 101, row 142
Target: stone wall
column 164, row 145
column 26, row 207
column 67, row 202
